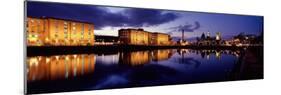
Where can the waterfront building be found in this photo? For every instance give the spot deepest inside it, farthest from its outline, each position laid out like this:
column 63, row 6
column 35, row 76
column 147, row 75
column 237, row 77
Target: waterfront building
column 141, row 37
column 210, row 41
column 218, row 36
column 133, row 37
column 243, row 40
column 160, row 39
column 47, row 31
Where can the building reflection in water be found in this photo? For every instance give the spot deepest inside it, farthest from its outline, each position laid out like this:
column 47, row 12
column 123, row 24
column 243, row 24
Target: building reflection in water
column 137, row 58
column 206, row 53
column 108, row 58
column 69, row 66
column 59, row 66
column 159, row 55
column 143, row 57
column 134, row 58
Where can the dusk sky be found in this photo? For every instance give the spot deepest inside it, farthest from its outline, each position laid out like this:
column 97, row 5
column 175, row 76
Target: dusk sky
column 108, row 20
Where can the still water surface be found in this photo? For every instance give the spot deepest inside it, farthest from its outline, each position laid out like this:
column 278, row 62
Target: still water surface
column 75, row 72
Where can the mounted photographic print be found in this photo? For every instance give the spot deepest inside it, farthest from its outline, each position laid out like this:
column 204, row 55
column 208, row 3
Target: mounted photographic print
column 79, row 47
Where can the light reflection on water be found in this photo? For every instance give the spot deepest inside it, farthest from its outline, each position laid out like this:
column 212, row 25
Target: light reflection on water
column 67, row 66
column 130, row 69
column 59, row 67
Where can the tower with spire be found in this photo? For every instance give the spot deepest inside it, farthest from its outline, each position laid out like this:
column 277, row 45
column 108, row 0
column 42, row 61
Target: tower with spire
column 218, row 36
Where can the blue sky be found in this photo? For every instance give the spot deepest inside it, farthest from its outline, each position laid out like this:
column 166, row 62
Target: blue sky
column 108, row 20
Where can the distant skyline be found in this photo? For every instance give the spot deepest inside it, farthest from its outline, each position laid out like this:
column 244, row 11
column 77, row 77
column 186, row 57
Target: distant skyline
column 108, row 20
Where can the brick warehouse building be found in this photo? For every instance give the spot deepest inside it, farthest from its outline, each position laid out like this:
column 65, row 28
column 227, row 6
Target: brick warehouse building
column 141, row 37
column 133, row 37
column 58, row 32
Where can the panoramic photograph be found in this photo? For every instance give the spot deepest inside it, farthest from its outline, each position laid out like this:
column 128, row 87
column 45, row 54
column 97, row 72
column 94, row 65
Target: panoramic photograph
column 79, row 47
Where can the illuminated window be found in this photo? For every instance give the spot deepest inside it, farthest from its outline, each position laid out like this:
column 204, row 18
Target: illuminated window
column 65, row 33
column 38, row 27
column 65, row 29
column 57, row 26
column 65, row 25
column 82, row 32
column 89, row 33
column 90, row 28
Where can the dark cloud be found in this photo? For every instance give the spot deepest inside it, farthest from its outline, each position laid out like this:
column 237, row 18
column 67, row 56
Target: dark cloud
column 146, row 17
column 186, row 28
column 100, row 16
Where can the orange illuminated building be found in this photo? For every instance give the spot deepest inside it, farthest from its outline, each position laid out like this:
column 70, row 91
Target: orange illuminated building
column 59, row 67
column 133, row 37
column 141, row 37
column 58, row 32
column 160, row 39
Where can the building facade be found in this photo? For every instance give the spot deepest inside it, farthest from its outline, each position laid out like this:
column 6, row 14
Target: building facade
column 210, row 41
column 160, row 39
column 133, row 37
column 58, row 32
column 141, row 37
